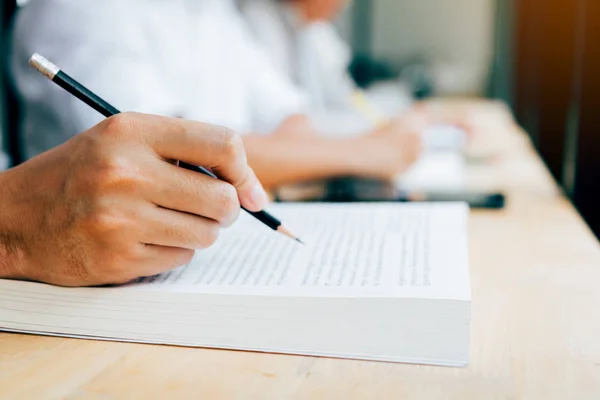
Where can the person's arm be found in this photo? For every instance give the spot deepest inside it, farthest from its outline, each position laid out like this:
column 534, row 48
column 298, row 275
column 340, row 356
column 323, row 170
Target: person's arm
column 278, row 161
column 117, row 61
column 296, row 153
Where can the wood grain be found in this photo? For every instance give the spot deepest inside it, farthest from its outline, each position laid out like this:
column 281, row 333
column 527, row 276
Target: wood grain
column 535, row 270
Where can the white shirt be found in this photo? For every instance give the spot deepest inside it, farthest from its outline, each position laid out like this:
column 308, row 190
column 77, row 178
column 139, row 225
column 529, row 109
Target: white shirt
column 185, row 58
column 313, row 55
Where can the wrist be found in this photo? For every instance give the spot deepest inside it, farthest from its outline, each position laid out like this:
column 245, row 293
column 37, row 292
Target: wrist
column 9, row 255
column 11, row 260
column 341, row 156
column 337, row 157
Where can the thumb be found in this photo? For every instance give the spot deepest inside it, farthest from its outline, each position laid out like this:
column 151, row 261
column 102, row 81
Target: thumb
column 251, row 193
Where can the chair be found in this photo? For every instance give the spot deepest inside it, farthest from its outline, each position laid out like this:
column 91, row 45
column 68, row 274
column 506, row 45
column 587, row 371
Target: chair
column 8, row 99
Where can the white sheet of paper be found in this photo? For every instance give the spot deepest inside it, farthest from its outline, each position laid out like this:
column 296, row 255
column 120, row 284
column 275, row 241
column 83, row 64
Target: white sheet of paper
column 435, row 171
column 412, row 250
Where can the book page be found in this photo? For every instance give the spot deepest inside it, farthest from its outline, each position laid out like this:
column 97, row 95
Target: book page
column 414, row 250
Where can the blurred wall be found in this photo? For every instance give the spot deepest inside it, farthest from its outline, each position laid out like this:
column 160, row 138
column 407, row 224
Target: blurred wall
column 456, row 35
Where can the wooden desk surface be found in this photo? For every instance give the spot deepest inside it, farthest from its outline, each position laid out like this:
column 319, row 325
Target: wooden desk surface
column 535, row 270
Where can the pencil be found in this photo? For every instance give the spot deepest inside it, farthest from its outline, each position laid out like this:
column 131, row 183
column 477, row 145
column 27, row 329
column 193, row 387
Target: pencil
column 362, row 105
column 69, row 84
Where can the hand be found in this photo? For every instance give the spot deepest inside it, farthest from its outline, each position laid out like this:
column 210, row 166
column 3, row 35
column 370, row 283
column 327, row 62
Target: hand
column 391, row 149
column 107, row 206
column 447, row 114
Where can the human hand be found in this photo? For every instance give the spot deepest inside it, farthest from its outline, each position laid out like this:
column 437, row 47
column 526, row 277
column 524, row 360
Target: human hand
column 109, row 206
column 392, row 148
column 447, row 114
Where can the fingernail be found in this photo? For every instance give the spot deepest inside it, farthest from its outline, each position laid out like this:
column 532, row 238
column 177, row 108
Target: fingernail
column 258, row 198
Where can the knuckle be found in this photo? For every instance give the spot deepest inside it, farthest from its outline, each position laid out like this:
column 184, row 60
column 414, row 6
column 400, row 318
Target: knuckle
column 133, row 253
column 232, row 145
column 117, row 172
column 105, row 224
column 228, row 204
column 118, row 125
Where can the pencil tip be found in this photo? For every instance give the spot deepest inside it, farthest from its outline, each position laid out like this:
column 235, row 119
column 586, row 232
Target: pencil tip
column 282, row 229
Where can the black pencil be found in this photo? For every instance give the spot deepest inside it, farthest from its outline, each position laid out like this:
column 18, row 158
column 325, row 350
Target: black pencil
column 69, row 84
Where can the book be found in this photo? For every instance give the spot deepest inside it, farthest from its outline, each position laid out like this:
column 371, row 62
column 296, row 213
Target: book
column 385, row 281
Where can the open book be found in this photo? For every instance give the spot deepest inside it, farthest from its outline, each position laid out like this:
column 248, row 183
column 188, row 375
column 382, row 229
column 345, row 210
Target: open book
column 375, row 281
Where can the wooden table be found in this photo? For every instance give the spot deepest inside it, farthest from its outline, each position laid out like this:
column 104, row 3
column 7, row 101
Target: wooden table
column 535, row 270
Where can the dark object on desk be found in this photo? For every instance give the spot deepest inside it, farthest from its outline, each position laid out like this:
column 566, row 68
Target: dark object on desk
column 349, row 190
column 416, row 73
column 474, row 199
column 63, row 80
column 360, row 190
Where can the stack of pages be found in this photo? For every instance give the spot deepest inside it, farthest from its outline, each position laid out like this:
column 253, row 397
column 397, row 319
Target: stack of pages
column 381, row 281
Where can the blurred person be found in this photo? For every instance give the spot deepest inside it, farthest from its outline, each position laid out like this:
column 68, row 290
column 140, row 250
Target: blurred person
column 193, row 59
column 300, row 39
column 302, row 42
column 107, row 207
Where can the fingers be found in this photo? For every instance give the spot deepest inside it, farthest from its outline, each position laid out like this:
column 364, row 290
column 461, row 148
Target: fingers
column 159, row 259
column 150, row 260
column 194, row 193
column 170, row 228
column 209, row 146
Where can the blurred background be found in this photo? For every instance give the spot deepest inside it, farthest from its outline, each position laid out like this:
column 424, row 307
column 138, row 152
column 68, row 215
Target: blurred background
column 449, row 45
column 540, row 58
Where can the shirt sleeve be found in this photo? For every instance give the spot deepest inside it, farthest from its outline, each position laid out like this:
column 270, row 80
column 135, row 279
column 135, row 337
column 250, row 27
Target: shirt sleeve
column 264, row 19
column 325, row 58
column 274, row 97
column 113, row 61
